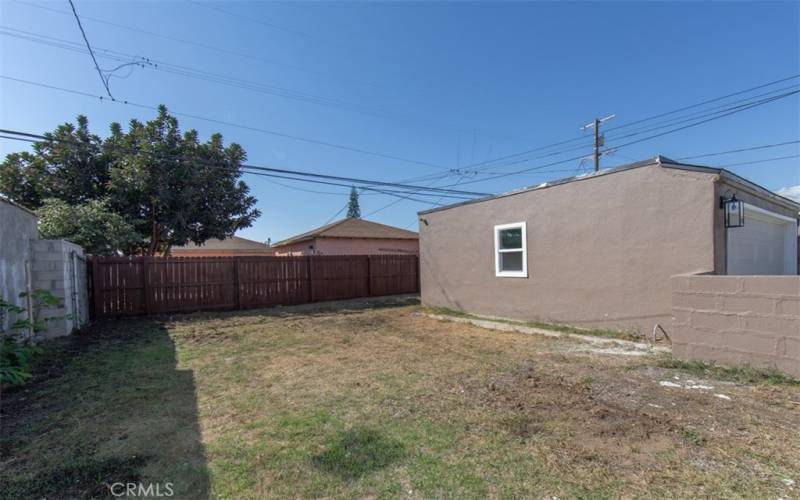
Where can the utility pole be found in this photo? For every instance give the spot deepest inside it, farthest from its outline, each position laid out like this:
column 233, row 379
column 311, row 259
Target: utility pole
column 598, row 139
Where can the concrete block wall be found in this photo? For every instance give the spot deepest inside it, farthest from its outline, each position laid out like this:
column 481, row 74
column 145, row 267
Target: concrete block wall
column 59, row 266
column 737, row 320
column 17, row 230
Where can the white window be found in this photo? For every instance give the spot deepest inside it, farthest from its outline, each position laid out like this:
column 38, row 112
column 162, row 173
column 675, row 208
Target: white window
column 510, row 251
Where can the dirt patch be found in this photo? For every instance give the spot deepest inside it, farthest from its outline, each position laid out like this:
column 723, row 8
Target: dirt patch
column 535, row 403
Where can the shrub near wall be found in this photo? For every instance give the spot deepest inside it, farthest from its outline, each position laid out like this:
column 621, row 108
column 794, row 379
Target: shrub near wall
column 738, row 320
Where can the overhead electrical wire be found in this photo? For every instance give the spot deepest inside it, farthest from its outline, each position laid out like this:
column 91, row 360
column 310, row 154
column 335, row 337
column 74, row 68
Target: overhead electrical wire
column 708, row 101
column 194, row 43
column 493, row 162
column 228, row 80
column 716, row 116
column 514, row 155
column 91, row 53
column 705, row 113
column 754, row 162
column 217, row 78
column 741, row 150
column 285, row 173
column 231, row 124
column 579, row 138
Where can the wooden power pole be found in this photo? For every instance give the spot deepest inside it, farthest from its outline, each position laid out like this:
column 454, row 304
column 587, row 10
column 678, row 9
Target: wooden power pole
column 598, row 139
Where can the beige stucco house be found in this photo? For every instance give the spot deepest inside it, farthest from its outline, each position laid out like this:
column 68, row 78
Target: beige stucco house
column 351, row 237
column 600, row 249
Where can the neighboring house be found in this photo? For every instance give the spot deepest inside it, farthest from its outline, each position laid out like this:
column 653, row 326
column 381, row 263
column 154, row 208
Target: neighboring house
column 599, row 249
column 351, row 237
column 229, row 247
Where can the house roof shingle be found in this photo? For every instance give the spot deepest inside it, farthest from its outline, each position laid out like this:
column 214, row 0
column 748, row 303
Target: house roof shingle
column 352, row 228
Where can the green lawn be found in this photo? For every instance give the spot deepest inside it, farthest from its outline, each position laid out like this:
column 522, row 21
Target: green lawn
column 383, row 402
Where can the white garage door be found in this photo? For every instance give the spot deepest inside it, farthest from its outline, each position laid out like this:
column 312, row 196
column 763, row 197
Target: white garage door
column 766, row 244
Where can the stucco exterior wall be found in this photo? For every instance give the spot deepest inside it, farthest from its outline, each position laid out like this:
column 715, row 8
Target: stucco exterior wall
column 17, row 229
column 601, row 250
column 351, row 246
column 738, row 320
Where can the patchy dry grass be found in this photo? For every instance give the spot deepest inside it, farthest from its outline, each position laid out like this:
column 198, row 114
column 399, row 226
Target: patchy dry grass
column 597, row 332
column 742, row 375
column 313, row 402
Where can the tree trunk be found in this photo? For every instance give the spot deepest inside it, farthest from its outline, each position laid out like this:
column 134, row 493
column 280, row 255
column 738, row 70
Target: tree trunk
column 151, row 251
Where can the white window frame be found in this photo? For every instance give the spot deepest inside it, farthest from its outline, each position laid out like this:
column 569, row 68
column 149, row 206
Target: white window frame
column 497, row 251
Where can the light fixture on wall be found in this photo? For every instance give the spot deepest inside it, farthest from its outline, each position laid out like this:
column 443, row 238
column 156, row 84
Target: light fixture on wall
column 734, row 211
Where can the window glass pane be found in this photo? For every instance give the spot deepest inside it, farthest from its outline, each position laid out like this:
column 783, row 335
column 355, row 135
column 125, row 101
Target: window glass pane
column 511, row 261
column 511, row 238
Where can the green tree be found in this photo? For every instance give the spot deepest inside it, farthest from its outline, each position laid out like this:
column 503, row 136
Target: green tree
column 167, row 185
column 91, row 225
column 68, row 164
column 24, row 178
column 175, row 189
column 353, row 210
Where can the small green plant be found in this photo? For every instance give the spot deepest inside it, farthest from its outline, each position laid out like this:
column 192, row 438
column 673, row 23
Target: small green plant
column 694, row 437
column 17, row 350
column 16, row 360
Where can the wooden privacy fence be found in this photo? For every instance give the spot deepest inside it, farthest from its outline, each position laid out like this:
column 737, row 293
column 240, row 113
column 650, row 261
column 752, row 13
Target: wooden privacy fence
column 128, row 286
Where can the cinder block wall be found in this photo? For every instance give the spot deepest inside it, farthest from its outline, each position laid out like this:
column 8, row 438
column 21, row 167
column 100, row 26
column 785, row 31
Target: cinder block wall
column 17, row 229
column 59, row 266
column 737, row 320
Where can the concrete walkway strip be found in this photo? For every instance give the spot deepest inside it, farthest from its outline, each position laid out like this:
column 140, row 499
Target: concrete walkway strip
column 511, row 327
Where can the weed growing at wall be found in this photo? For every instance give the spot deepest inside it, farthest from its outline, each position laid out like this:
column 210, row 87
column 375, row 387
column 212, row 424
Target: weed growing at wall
column 17, row 350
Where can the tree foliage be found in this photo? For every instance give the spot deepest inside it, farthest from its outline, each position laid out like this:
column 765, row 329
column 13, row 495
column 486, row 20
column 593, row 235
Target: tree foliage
column 92, row 225
column 353, row 209
column 165, row 185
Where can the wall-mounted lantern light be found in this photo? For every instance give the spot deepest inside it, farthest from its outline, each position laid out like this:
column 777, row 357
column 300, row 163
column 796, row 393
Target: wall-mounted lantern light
column 734, row 211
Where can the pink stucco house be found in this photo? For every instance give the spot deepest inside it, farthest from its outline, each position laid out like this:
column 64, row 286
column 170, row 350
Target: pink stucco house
column 351, row 237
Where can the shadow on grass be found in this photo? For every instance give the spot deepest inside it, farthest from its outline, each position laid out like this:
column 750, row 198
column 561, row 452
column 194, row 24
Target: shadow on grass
column 106, row 406
column 356, row 452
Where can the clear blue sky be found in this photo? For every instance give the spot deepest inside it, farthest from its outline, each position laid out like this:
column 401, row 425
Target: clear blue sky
column 444, row 83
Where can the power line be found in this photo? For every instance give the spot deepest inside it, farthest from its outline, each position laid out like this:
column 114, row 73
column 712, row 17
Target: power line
column 737, row 109
column 716, row 110
column 753, row 148
column 362, row 108
column 30, row 137
column 231, row 124
column 207, row 76
column 91, row 52
column 493, row 162
column 708, row 101
column 194, row 43
column 398, row 194
column 336, row 214
column 757, row 161
column 671, row 122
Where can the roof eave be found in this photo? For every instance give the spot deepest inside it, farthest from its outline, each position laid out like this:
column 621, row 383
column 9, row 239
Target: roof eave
column 658, row 160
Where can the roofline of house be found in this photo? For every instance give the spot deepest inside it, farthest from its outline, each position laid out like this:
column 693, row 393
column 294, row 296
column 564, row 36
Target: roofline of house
column 317, row 233
column 15, row 204
column 324, row 237
column 658, row 160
